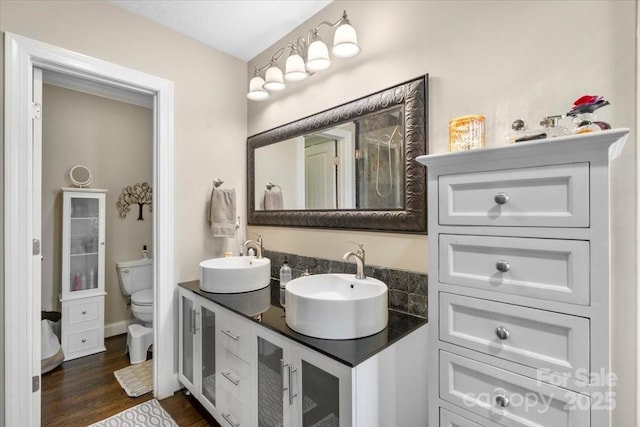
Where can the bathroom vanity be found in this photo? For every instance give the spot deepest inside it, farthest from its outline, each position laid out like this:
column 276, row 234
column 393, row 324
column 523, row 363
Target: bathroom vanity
column 521, row 284
column 238, row 357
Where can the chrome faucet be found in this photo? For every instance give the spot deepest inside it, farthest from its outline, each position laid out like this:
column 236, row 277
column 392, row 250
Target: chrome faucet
column 359, row 257
column 257, row 245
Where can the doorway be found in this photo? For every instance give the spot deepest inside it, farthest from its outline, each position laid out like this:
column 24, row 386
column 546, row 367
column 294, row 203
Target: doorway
column 22, row 254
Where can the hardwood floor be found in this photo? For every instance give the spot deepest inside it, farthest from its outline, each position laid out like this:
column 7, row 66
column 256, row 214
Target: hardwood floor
column 83, row 391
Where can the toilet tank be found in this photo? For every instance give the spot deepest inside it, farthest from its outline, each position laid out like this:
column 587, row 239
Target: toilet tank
column 135, row 275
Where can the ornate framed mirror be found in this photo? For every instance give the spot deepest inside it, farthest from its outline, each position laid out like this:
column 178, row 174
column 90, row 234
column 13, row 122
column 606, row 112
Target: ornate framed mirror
column 350, row 167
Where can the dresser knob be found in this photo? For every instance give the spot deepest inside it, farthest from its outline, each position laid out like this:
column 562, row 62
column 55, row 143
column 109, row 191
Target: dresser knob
column 84, row 311
column 502, row 266
column 502, row 400
column 502, row 332
column 501, row 198
column 84, row 340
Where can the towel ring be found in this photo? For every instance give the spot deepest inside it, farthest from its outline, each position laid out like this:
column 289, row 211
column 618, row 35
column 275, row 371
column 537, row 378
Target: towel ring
column 270, row 185
column 217, row 182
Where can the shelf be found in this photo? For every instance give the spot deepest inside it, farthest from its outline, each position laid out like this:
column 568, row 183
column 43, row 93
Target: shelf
column 86, row 254
column 84, row 217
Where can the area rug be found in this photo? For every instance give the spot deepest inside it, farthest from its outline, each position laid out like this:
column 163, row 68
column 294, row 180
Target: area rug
column 136, row 380
column 149, row 413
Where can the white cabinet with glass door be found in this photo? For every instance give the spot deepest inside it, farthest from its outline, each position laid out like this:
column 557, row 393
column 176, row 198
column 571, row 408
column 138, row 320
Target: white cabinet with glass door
column 83, row 250
column 297, row 386
column 197, row 355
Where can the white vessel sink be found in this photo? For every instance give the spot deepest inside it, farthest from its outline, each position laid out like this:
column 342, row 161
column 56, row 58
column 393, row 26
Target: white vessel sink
column 232, row 275
column 336, row 306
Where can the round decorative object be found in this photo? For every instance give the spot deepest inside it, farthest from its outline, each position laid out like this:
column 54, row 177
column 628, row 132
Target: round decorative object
column 81, row 176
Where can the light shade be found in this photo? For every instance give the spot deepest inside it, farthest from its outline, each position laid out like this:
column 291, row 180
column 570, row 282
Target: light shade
column 318, row 56
column 274, row 80
column 256, row 91
column 295, row 69
column 345, row 42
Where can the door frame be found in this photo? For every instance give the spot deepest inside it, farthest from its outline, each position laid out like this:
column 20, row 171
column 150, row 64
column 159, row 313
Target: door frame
column 21, row 56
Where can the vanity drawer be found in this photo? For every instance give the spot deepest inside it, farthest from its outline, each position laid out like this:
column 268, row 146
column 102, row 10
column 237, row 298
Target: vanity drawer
column 556, row 270
column 536, row 338
column 83, row 341
column 234, row 375
column 234, row 335
column 232, row 412
column 449, row 419
column 544, row 196
column 84, row 310
column 509, row 399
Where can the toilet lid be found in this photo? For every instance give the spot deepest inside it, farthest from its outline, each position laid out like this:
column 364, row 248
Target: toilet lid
column 143, row 297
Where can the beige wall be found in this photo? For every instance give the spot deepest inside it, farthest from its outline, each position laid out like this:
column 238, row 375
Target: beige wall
column 503, row 59
column 115, row 141
column 209, row 107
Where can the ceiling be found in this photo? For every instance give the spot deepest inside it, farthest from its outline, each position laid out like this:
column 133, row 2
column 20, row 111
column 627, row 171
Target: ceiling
column 241, row 28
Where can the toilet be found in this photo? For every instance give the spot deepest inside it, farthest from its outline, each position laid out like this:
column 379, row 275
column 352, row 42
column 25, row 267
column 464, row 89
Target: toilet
column 136, row 281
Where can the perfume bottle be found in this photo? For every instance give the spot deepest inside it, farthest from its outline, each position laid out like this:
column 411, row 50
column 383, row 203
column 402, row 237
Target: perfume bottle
column 583, row 117
column 551, row 127
column 520, row 133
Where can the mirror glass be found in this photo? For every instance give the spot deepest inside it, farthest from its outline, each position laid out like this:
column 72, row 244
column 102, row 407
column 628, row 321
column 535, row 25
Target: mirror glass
column 348, row 167
column 80, row 175
column 354, row 165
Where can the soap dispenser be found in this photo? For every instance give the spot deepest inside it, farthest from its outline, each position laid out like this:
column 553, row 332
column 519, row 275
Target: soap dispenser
column 285, row 277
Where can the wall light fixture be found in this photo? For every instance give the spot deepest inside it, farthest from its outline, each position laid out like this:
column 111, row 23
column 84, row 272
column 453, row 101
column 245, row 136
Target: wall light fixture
column 306, row 56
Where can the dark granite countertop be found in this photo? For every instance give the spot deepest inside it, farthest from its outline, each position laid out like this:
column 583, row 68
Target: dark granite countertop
column 349, row 352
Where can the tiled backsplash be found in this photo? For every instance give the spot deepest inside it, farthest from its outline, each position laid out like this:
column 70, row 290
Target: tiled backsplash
column 407, row 289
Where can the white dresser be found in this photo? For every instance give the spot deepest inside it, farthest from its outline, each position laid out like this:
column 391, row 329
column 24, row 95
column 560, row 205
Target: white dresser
column 519, row 284
column 83, row 250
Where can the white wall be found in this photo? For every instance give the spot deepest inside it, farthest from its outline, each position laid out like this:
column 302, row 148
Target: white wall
column 282, row 172
column 505, row 60
column 115, row 141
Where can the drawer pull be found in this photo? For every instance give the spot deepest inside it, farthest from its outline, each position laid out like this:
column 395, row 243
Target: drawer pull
column 502, row 401
column 84, row 311
column 502, row 332
column 501, row 198
column 227, row 418
column 502, row 266
column 230, row 335
column 84, row 340
column 228, row 376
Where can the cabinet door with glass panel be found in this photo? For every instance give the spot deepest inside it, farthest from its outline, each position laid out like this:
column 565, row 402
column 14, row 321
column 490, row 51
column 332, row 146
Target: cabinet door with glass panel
column 299, row 387
column 83, row 242
column 197, row 350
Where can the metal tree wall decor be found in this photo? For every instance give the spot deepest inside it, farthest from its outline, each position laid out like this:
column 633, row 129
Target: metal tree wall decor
column 140, row 193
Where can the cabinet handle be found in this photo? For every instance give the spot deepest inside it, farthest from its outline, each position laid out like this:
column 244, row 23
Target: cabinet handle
column 502, row 266
column 502, row 401
column 228, row 376
column 230, row 335
column 291, row 371
column 84, row 311
column 102, row 243
column 196, row 316
column 227, row 418
column 83, row 340
column 501, row 198
column 502, row 332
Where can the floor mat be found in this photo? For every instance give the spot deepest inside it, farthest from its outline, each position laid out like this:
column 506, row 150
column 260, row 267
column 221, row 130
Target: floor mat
column 146, row 414
column 136, row 380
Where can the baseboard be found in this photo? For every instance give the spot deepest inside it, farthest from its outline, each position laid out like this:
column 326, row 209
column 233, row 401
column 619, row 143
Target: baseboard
column 116, row 328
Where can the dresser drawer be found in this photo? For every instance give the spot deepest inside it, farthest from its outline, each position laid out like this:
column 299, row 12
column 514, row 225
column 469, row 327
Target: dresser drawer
column 83, row 341
column 536, row 338
column 234, row 375
column 449, row 419
column 234, row 335
column 556, row 270
column 545, row 196
column 85, row 310
column 507, row 398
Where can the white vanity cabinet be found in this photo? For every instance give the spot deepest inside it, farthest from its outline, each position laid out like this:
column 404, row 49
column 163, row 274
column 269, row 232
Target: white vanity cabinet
column 263, row 377
column 520, row 284
column 83, row 250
